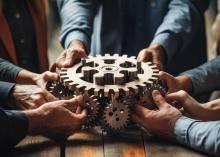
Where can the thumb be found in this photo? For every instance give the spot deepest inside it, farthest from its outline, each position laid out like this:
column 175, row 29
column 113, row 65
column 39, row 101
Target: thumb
column 159, row 99
column 179, row 96
column 169, row 79
column 51, row 76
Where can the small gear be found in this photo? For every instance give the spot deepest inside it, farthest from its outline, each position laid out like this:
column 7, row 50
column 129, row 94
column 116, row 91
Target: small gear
column 146, row 98
column 116, row 116
column 59, row 90
column 91, row 103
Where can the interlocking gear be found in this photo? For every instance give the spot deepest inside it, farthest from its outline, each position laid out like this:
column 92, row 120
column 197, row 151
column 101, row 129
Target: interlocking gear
column 106, row 75
column 59, row 90
column 110, row 85
column 116, row 116
column 146, row 99
column 92, row 105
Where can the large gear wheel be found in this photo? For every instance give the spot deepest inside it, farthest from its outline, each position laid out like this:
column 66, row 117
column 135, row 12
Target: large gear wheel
column 106, row 75
column 116, row 116
column 59, row 90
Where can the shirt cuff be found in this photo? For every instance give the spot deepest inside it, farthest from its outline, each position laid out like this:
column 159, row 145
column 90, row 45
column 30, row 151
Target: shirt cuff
column 5, row 90
column 181, row 129
column 77, row 35
column 168, row 42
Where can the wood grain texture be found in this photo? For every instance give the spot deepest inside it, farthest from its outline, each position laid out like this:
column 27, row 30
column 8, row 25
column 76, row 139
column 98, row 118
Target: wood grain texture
column 94, row 143
column 85, row 144
column 156, row 147
column 128, row 144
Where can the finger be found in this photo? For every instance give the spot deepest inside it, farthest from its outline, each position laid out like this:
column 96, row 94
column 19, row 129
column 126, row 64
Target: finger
column 60, row 60
column 49, row 97
column 179, row 96
column 78, row 110
column 159, row 100
column 144, row 56
column 141, row 111
column 50, row 76
column 73, row 103
column 82, row 116
column 156, row 59
column 38, row 100
column 69, row 60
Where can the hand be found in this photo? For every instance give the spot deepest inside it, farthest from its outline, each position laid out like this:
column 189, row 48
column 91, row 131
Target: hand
column 154, row 53
column 30, row 96
column 160, row 122
column 72, row 55
column 193, row 109
column 58, row 117
column 42, row 79
column 175, row 84
column 27, row 77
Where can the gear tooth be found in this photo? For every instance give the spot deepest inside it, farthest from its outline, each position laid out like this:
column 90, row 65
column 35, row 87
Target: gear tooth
column 133, row 57
column 116, row 55
column 98, row 55
column 107, row 55
column 64, row 77
column 124, row 56
column 63, row 69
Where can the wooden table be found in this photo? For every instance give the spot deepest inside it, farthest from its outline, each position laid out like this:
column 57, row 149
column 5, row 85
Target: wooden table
column 95, row 143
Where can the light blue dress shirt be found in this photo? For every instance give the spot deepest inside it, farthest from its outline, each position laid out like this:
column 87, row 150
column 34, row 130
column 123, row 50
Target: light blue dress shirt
column 199, row 135
column 128, row 26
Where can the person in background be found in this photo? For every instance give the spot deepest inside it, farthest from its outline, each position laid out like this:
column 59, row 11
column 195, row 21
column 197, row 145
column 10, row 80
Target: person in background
column 23, row 33
column 21, row 89
column 167, row 32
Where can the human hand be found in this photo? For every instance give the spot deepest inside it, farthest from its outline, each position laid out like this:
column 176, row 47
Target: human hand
column 42, row 79
column 160, row 122
column 193, row 109
column 61, row 117
column 71, row 55
column 30, row 96
column 154, row 53
column 175, row 84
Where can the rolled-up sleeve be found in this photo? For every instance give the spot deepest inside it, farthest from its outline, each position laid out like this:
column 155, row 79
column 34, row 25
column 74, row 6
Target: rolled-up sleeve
column 14, row 126
column 77, row 21
column 176, row 28
column 205, row 78
column 199, row 135
column 8, row 71
column 5, row 90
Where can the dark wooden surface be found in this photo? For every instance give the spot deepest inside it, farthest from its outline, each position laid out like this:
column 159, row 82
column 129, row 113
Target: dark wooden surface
column 95, row 143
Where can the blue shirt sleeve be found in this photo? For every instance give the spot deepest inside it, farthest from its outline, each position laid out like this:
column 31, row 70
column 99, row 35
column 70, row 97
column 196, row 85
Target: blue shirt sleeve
column 8, row 71
column 14, row 127
column 5, row 91
column 177, row 26
column 205, row 78
column 199, row 135
column 71, row 12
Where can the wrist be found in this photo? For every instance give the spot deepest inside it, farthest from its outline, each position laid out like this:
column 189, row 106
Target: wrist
column 36, row 121
column 26, row 77
column 77, row 43
column 159, row 48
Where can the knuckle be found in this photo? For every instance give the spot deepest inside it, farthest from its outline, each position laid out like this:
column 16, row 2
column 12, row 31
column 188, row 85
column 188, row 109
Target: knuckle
column 183, row 93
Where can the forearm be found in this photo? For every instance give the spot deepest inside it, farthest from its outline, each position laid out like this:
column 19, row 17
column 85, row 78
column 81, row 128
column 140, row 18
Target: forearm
column 26, row 77
column 177, row 26
column 77, row 21
column 205, row 78
column 212, row 110
column 199, row 135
